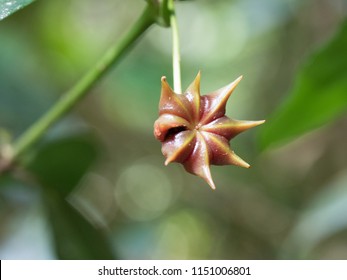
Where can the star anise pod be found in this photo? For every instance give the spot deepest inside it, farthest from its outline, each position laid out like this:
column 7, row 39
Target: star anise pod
column 194, row 130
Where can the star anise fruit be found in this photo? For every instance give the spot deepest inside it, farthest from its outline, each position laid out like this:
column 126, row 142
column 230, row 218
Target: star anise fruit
column 194, row 130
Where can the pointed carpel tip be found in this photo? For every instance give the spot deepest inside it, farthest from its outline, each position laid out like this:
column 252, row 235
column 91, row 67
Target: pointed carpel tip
column 230, row 87
column 165, row 87
column 197, row 78
column 256, row 123
column 259, row 122
column 236, row 160
column 207, row 177
column 170, row 159
column 210, row 182
column 194, row 87
column 236, row 82
column 244, row 125
column 240, row 162
column 198, row 75
column 163, row 80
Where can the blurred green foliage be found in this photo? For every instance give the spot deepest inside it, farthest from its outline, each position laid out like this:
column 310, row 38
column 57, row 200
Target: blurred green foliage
column 96, row 186
column 319, row 95
column 75, row 237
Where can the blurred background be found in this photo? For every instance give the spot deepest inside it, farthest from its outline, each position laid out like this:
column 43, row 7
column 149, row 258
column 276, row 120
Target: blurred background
column 96, row 186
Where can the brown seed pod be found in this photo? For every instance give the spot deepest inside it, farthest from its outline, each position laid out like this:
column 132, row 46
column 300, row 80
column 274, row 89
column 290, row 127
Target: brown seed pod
column 194, row 130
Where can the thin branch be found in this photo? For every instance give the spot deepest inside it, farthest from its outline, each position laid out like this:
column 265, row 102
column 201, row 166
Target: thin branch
column 176, row 58
column 82, row 87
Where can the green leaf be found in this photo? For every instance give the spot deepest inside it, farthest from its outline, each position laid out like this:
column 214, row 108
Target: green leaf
column 319, row 95
column 8, row 7
column 75, row 238
column 59, row 166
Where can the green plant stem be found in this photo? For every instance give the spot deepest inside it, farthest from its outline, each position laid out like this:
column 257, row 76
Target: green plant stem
column 81, row 88
column 176, row 58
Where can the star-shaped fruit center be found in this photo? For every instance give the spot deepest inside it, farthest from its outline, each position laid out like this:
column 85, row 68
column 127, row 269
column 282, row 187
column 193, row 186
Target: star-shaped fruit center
column 194, row 130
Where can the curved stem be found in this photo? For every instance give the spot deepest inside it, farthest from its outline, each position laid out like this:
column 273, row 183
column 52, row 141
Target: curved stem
column 176, row 59
column 81, row 88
